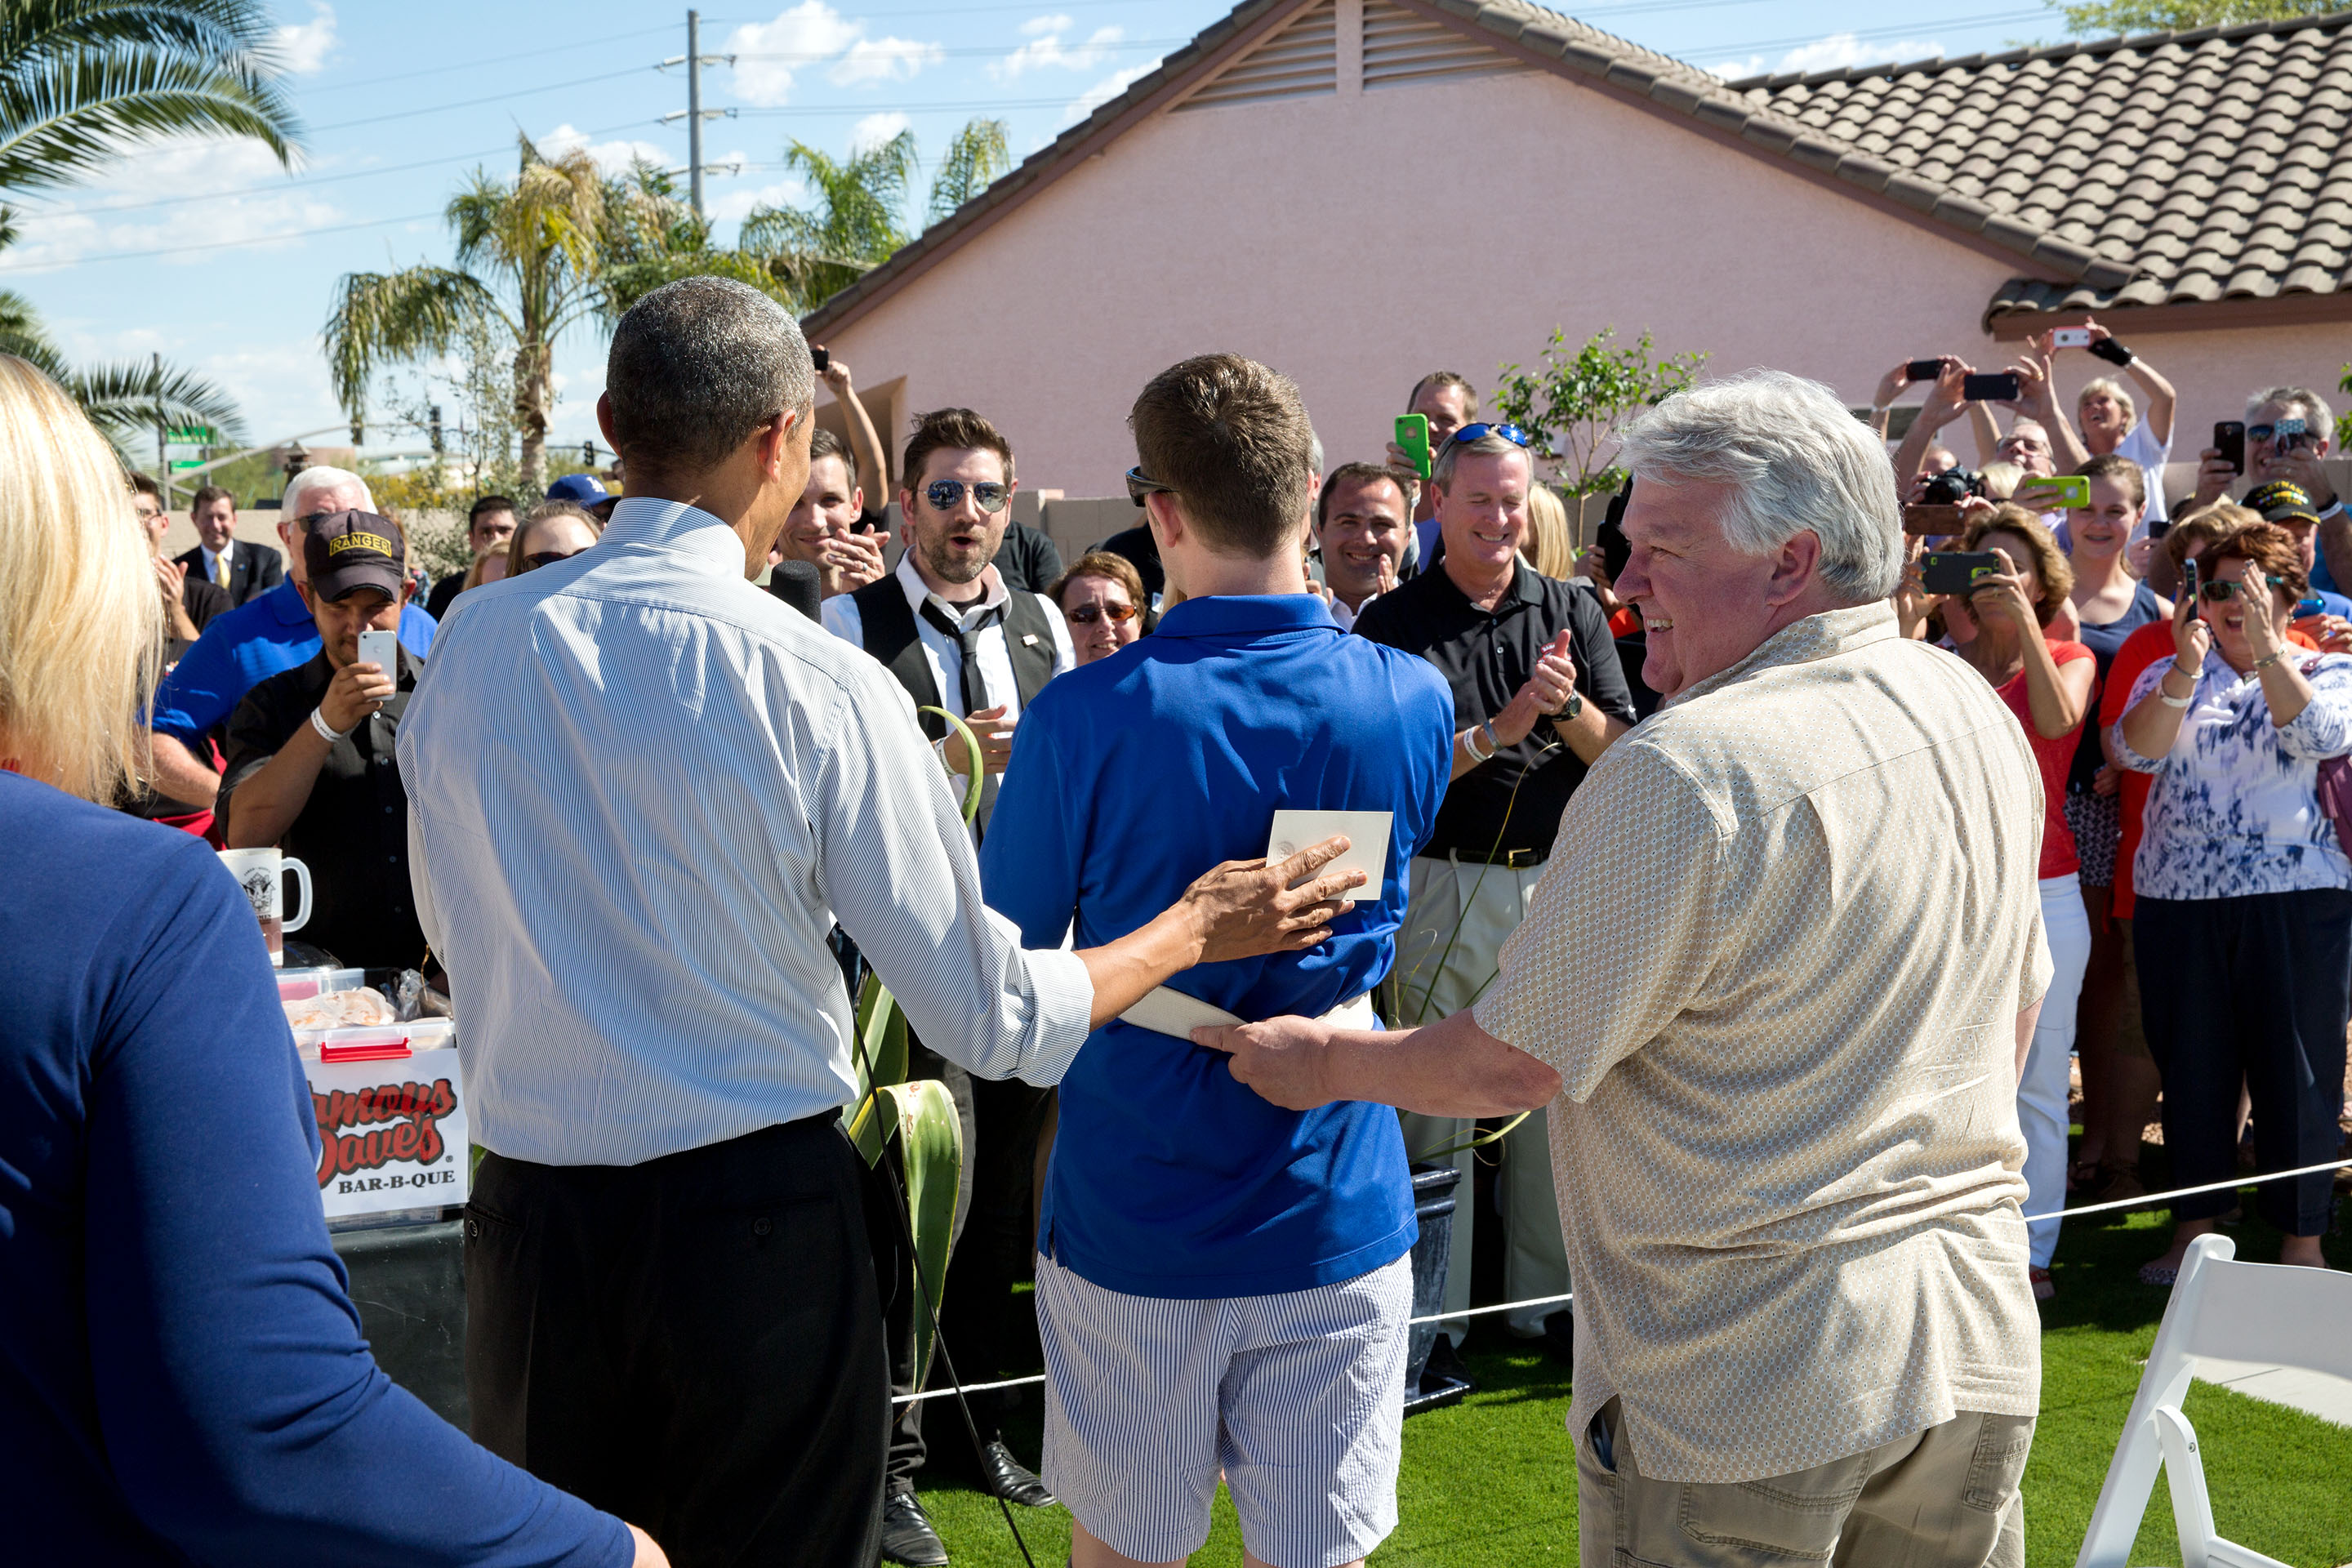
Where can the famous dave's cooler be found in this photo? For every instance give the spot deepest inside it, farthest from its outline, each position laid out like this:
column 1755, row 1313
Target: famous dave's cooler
column 389, row 1102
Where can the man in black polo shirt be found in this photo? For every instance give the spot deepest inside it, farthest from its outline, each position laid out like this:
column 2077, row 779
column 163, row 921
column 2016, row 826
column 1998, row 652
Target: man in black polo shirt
column 1537, row 696
column 311, row 762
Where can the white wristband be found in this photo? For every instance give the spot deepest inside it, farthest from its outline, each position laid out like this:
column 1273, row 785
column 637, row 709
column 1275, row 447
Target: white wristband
column 1470, row 744
column 326, row 731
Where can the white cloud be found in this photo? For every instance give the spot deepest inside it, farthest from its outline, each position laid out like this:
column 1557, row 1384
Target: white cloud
column 302, row 47
column 1103, row 91
column 1839, row 52
column 172, row 169
column 1046, row 48
column 611, row 157
column 735, row 203
column 876, row 129
column 768, row 54
column 883, row 59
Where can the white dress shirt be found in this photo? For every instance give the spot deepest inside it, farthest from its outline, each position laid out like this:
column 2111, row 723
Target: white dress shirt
column 216, row 566
column 842, row 619
column 640, row 792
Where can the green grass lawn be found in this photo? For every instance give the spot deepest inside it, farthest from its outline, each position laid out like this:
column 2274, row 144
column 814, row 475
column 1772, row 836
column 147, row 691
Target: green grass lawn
column 1492, row 1480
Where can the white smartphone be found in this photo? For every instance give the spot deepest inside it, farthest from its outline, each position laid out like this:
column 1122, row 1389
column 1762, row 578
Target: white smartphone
column 383, row 650
column 2071, row 338
column 1368, row 843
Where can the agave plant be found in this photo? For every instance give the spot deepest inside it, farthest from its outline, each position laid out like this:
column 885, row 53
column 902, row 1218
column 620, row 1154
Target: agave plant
column 921, row 1115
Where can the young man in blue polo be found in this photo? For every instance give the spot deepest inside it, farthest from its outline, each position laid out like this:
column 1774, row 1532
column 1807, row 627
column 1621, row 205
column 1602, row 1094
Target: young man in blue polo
column 1222, row 1285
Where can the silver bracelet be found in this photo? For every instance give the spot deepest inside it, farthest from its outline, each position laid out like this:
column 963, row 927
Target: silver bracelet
column 326, row 731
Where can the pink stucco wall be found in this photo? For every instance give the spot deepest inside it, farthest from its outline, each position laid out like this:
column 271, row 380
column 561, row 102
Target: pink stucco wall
column 1356, row 241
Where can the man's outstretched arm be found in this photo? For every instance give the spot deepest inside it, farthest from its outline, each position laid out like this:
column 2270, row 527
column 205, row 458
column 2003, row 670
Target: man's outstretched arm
column 1452, row 1068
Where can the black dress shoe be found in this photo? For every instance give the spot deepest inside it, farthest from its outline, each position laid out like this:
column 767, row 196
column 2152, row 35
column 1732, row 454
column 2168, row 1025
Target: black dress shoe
column 907, row 1533
column 1002, row 1475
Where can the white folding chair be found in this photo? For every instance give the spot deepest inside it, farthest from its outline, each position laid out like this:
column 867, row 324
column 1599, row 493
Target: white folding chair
column 2299, row 1317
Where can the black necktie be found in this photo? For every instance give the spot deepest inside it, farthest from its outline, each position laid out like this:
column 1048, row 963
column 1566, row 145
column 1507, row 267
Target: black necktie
column 966, row 636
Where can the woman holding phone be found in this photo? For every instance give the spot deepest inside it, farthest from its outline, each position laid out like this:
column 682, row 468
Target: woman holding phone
column 2242, row 895
column 2000, row 628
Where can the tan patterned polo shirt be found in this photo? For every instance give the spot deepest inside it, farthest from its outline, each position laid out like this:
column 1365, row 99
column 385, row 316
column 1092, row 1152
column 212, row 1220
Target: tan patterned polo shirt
column 1778, row 959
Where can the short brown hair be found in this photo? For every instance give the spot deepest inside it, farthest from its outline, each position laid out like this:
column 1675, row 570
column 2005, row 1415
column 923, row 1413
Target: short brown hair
column 2123, row 471
column 543, row 512
column 209, row 494
column 825, row 444
column 1445, row 378
column 1102, row 564
column 2049, row 565
column 145, row 485
column 1230, row 438
column 2206, row 525
column 1363, row 474
column 945, row 430
column 2269, row 547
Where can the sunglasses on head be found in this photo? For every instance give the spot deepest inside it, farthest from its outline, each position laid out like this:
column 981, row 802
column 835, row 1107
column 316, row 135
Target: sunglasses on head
column 946, row 495
column 538, row 558
column 1117, row 615
column 1469, row 433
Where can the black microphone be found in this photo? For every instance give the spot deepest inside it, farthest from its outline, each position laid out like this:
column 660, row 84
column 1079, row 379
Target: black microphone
column 797, row 583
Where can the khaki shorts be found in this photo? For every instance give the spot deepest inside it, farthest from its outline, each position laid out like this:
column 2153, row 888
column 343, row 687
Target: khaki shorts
column 1944, row 1498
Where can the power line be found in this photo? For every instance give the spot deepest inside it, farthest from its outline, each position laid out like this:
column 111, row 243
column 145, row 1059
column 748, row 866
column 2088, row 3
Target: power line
column 374, row 80
column 476, row 102
column 218, row 243
column 990, row 51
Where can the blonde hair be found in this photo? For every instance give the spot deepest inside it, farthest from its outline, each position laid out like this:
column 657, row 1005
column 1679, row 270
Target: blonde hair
column 2115, row 389
column 2001, row 480
column 545, row 511
column 81, row 632
column 1549, row 548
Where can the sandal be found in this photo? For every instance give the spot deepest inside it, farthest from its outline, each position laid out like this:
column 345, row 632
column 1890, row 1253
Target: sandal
column 2160, row 1274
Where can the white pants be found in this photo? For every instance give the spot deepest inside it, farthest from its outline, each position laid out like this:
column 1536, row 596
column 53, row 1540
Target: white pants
column 1455, row 923
column 2042, row 1092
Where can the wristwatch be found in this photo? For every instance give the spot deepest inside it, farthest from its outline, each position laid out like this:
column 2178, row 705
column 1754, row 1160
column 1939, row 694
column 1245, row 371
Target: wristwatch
column 1571, row 708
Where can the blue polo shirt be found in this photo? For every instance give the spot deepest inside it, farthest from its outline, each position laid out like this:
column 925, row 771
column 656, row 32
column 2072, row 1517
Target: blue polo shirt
column 245, row 646
column 1130, row 778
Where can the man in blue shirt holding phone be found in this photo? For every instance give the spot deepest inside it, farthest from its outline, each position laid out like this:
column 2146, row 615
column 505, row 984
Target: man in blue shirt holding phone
column 1222, row 1284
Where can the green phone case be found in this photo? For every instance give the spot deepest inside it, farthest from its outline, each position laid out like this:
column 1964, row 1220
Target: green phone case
column 1412, row 435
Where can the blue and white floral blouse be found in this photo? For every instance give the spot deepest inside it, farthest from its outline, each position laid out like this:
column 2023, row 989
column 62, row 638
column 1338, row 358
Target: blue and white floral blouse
column 2234, row 809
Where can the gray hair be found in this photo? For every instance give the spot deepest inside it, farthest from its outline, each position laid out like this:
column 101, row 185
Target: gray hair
column 1796, row 461
column 2315, row 412
column 697, row 366
column 2115, row 390
column 293, row 505
column 1441, row 470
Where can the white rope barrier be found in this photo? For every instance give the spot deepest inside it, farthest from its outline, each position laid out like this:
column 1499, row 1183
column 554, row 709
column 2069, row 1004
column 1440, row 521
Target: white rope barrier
column 2146, row 1200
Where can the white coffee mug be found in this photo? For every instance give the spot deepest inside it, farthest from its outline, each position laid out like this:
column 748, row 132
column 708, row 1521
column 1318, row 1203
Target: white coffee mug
column 261, row 872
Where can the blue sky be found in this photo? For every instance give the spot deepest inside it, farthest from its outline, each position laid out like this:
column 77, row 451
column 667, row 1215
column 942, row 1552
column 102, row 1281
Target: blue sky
column 212, row 256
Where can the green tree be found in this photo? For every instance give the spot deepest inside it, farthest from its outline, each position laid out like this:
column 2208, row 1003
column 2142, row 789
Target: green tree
column 857, row 216
column 1572, row 404
column 126, row 400
column 653, row 237
column 2101, row 18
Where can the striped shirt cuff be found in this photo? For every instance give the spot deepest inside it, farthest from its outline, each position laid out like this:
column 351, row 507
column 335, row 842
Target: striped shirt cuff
column 1065, row 1006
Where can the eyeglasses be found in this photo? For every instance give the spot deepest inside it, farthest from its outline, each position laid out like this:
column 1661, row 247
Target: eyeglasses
column 946, row 495
column 1141, row 484
column 538, row 558
column 1469, row 433
column 1088, row 614
column 2219, row 590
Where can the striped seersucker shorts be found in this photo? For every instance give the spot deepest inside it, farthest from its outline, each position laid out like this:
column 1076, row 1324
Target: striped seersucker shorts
column 1297, row 1397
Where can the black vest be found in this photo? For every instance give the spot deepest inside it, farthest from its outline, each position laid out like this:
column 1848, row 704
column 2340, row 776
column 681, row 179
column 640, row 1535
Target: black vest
column 890, row 635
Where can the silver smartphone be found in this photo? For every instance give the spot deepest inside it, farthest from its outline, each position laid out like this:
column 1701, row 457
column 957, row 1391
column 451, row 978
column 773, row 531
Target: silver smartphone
column 383, row 650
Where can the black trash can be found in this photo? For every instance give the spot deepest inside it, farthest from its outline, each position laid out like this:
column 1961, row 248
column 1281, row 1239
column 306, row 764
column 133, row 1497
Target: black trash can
column 1432, row 1208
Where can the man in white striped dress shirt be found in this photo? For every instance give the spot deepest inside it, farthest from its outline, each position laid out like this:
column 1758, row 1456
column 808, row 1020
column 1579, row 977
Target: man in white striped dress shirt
column 641, row 793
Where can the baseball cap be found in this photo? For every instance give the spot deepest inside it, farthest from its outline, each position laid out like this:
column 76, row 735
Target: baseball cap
column 348, row 550
column 2282, row 500
column 580, row 489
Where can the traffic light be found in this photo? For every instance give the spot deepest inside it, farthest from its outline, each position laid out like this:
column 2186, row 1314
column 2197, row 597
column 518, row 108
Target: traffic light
column 359, row 432
column 588, row 454
column 436, row 427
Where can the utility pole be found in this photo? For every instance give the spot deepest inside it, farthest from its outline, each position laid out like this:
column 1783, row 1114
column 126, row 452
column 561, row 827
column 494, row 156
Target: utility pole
column 694, row 59
column 163, row 460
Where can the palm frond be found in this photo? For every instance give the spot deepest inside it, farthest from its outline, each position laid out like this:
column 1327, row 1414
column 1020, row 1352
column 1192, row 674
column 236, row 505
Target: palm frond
column 83, row 81
column 128, row 399
column 384, row 318
column 978, row 155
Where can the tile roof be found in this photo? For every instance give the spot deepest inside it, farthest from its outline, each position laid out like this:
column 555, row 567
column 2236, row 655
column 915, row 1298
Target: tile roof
column 2168, row 168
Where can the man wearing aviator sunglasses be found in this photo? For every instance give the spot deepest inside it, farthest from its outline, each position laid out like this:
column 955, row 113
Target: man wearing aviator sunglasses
column 2289, row 429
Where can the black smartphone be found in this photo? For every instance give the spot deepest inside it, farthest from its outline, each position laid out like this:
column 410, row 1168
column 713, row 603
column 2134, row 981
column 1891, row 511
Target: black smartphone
column 1956, row 571
column 821, row 359
column 2159, row 528
column 2190, row 584
column 2230, row 440
column 1923, row 368
column 2112, row 352
column 2003, row 388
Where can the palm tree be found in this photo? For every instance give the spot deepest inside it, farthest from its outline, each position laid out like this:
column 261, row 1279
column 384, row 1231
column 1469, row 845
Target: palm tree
column 977, row 156
column 530, row 257
column 653, row 237
column 126, row 401
column 83, row 82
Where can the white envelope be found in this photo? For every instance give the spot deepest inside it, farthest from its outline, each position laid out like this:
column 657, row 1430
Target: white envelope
column 1368, row 843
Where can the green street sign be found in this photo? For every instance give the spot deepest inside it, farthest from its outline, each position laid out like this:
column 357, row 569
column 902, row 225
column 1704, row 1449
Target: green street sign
column 179, row 463
column 189, row 434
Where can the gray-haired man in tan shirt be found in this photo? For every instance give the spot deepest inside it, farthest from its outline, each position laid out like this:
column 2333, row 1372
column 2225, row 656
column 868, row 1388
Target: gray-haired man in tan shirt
column 1776, row 987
